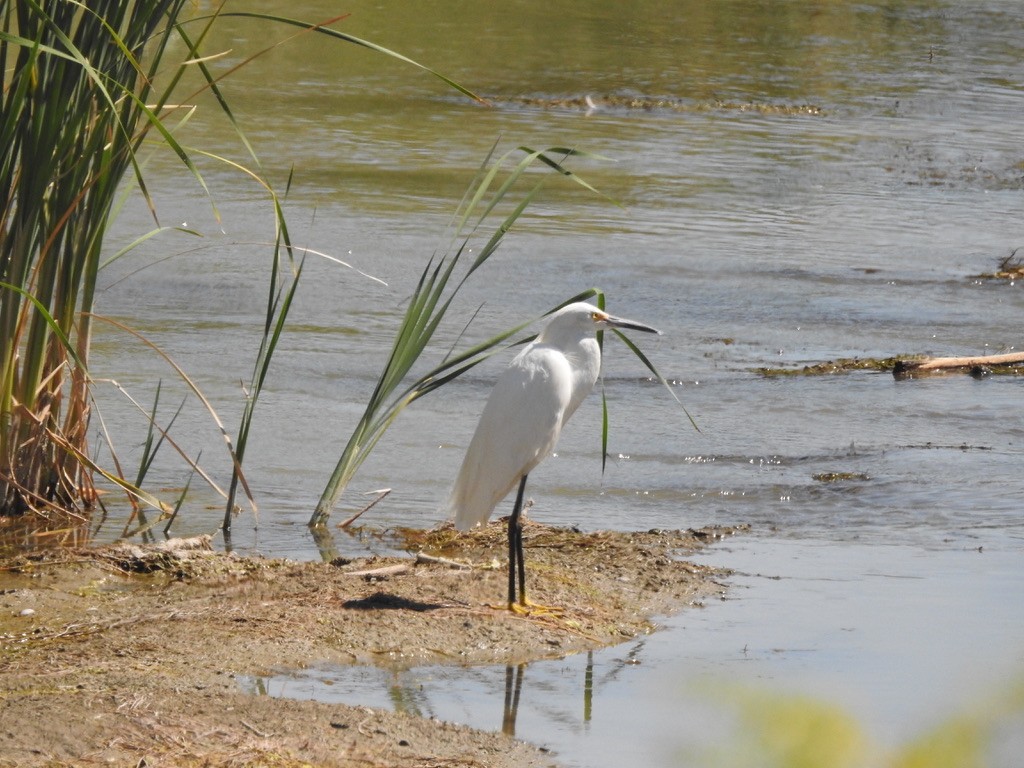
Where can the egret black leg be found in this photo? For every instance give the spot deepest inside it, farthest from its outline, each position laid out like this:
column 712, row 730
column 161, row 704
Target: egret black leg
column 521, row 562
column 516, row 558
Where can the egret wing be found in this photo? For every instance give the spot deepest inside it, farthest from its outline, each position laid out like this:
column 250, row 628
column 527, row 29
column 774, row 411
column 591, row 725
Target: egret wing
column 518, row 428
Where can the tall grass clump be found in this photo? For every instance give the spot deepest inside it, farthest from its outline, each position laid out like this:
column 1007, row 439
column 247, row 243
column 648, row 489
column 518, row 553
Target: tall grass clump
column 84, row 85
column 77, row 104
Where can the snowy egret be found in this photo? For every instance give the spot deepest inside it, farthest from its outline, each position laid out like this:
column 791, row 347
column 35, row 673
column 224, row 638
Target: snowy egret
column 530, row 403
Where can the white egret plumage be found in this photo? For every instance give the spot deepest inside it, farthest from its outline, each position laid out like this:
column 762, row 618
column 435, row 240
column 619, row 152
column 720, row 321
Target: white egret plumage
column 524, row 415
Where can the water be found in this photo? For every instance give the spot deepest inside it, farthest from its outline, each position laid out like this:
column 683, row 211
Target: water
column 751, row 238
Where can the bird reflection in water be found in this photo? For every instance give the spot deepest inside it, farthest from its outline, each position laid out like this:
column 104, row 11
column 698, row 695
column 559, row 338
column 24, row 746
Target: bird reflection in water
column 512, row 691
column 514, row 687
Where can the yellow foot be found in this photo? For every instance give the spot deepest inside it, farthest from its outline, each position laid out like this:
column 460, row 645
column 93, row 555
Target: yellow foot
column 528, row 608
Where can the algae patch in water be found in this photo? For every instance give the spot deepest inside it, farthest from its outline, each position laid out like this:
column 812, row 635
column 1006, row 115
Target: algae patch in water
column 838, row 477
column 841, row 365
column 657, row 104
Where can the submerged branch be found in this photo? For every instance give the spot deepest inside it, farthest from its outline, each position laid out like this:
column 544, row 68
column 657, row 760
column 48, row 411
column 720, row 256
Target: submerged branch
column 979, row 365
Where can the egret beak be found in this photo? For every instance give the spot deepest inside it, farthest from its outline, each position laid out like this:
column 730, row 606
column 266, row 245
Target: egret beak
column 619, row 322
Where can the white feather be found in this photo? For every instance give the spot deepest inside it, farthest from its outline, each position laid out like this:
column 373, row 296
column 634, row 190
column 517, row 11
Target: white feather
column 530, row 403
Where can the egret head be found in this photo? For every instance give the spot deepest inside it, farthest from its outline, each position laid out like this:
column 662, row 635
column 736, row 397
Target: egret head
column 586, row 319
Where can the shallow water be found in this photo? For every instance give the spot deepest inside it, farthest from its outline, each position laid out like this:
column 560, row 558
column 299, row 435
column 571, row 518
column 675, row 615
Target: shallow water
column 751, row 239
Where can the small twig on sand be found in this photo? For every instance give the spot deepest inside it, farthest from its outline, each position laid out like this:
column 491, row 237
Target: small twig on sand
column 387, row 570
column 381, row 494
column 255, row 730
column 394, row 570
column 423, row 558
column 365, row 720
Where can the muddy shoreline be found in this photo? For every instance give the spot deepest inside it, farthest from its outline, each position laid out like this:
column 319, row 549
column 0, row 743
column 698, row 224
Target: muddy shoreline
column 124, row 653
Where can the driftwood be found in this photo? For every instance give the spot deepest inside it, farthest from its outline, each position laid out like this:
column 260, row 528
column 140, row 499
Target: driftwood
column 424, row 558
column 905, row 368
column 386, row 570
column 400, row 568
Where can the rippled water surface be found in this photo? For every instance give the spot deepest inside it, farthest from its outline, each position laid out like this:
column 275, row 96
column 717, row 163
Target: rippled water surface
column 754, row 232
